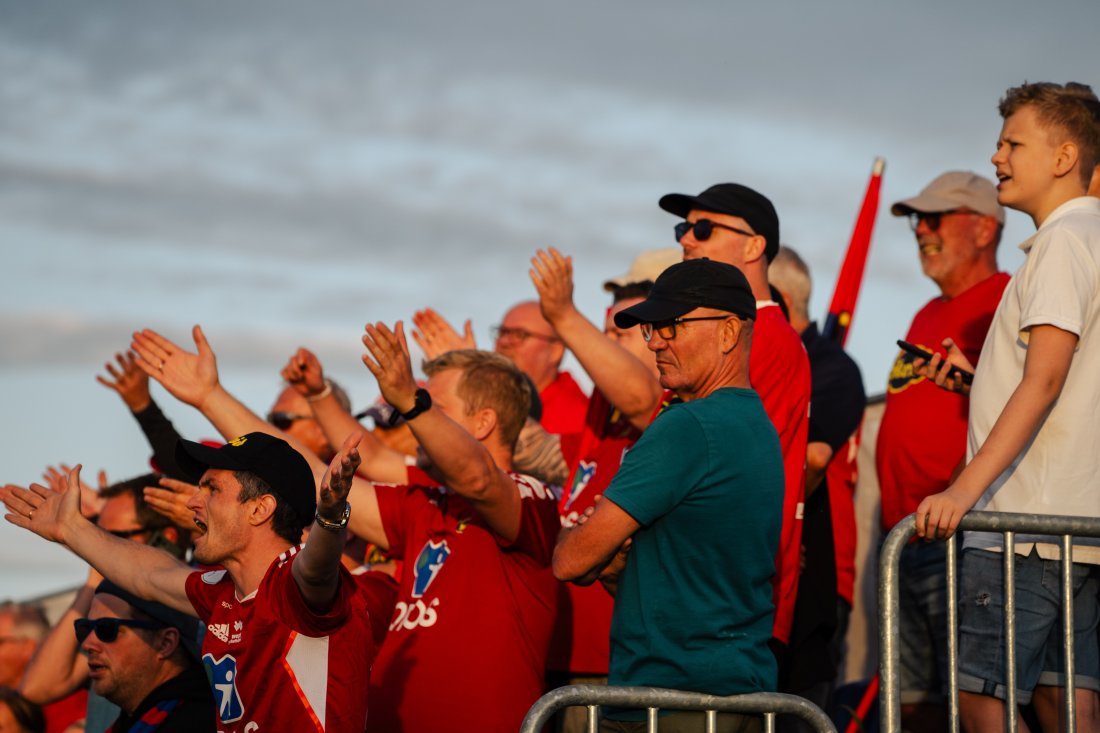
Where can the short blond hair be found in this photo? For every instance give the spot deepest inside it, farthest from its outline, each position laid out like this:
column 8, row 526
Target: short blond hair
column 489, row 380
column 1072, row 108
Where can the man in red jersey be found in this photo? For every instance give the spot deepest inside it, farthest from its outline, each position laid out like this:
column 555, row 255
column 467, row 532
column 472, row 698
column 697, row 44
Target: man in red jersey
column 957, row 222
column 476, row 539
column 288, row 646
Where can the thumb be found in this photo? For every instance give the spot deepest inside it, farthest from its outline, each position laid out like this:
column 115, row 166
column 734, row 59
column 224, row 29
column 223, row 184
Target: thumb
column 468, row 330
column 102, row 478
column 201, row 343
column 72, row 491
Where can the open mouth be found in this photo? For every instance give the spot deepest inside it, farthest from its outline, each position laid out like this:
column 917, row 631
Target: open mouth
column 201, row 525
column 931, row 248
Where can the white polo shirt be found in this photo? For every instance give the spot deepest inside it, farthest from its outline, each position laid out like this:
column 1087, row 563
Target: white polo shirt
column 1059, row 471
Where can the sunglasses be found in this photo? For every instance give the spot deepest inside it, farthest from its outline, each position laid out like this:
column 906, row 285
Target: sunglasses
column 284, row 420
column 667, row 329
column 701, row 229
column 106, row 629
column 933, row 219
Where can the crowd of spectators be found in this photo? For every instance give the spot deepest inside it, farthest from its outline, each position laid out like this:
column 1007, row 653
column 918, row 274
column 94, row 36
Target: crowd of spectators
column 689, row 524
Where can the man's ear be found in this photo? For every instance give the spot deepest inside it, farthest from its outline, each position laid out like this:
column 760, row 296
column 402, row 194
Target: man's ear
column 986, row 231
column 730, row 335
column 168, row 640
column 754, row 247
column 263, row 509
column 485, row 422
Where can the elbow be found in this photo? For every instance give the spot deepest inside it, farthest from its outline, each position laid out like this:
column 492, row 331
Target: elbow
column 565, row 564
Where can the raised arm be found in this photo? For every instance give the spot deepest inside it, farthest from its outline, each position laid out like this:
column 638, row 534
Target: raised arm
column 1049, row 355
column 380, row 463
column 144, row 571
column 435, row 336
column 192, row 378
column 316, row 568
column 465, row 464
column 625, row 381
column 58, row 667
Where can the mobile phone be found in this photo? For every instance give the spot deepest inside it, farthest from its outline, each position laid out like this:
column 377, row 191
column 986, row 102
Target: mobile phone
column 956, row 372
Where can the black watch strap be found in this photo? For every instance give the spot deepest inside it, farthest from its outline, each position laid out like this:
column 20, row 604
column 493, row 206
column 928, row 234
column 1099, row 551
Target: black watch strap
column 422, row 403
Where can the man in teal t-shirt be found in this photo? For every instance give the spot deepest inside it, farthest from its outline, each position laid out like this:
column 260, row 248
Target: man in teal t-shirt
column 688, row 529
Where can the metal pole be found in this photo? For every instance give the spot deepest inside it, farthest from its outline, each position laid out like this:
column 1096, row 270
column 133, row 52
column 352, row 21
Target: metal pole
column 953, row 634
column 888, row 608
column 1010, row 631
column 1067, row 631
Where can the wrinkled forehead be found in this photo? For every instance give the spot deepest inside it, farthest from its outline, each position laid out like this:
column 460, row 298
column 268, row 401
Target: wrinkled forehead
column 528, row 317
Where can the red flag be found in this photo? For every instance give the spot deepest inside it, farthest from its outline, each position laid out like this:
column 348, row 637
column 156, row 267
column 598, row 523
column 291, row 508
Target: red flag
column 846, row 293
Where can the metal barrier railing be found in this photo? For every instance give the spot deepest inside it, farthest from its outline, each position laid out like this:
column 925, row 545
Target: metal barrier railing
column 1008, row 523
column 653, row 699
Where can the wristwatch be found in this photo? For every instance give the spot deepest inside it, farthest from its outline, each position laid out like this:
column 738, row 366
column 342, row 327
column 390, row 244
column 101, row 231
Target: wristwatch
column 422, row 403
column 337, row 525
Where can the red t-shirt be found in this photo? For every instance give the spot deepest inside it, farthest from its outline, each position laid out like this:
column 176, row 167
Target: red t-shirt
column 379, row 591
column 276, row 665
column 564, row 406
column 779, row 371
column 922, row 436
column 467, row 646
column 582, row 635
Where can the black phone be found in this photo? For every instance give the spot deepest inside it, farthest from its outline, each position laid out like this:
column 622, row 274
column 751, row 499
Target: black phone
column 917, row 351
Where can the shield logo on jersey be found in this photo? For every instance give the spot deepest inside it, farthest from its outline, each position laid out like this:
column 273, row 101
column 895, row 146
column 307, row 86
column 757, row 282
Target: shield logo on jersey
column 585, row 471
column 428, row 564
column 223, row 679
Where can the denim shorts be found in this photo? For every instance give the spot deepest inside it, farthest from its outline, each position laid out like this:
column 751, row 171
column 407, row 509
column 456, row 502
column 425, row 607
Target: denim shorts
column 1039, row 644
column 922, row 622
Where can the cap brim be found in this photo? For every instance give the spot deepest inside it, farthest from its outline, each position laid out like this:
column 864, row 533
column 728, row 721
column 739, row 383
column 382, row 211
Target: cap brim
column 923, row 205
column 195, row 458
column 651, row 311
column 680, row 204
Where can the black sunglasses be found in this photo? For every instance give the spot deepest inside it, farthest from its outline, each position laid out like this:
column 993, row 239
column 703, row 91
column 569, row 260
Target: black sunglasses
column 284, row 420
column 667, row 329
column 933, row 219
column 703, row 228
column 106, row 629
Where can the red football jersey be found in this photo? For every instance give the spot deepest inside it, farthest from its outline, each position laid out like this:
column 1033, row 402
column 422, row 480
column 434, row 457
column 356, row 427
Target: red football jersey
column 840, row 476
column 564, row 405
column 276, row 665
column 467, row 646
column 582, row 635
column 922, row 436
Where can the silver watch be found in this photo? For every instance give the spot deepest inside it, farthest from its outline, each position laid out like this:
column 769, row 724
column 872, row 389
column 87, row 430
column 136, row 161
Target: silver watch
column 337, row 525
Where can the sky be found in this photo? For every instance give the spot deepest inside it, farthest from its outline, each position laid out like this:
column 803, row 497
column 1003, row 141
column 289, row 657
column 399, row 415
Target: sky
column 284, row 172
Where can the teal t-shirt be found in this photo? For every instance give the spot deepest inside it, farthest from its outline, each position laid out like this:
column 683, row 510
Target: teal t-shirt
column 693, row 610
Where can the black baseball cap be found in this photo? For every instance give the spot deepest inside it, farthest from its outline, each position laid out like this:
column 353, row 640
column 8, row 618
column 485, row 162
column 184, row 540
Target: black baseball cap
column 736, row 200
column 272, row 459
column 188, row 626
column 689, row 285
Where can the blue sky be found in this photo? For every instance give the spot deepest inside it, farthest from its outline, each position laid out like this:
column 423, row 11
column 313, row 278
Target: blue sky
column 283, row 172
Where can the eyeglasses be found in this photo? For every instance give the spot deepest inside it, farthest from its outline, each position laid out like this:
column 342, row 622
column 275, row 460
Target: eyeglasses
column 128, row 533
column 502, row 333
column 284, row 420
column 667, row 329
column 933, row 219
column 106, row 629
column 703, row 228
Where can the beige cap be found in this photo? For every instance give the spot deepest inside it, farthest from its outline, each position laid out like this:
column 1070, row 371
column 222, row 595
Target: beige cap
column 646, row 267
column 954, row 190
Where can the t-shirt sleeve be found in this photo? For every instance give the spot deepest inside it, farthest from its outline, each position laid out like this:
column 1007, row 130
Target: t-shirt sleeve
column 539, row 520
column 392, row 501
column 200, row 589
column 1060, row 287
column 664, row 466
column 281, row 592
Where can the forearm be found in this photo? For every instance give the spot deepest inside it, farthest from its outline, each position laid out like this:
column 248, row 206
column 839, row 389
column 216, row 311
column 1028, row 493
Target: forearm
column 625, row 381
column 579, row 562
column 145, row 571
column 316, row 568
column 58, row 668
column 162, row 438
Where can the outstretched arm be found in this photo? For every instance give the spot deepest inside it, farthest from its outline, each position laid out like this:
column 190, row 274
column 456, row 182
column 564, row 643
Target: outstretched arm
column 193, row 378
column 316, row 568
column 625, row 381
column 58, row 667
column 1049, row 355
column 144, row 571
column 380, row 463
column 435, row 336
column 467, row 466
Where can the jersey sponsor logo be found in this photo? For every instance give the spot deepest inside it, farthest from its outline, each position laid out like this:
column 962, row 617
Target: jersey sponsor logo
column 532, row 489
column 428, row 564
column 901, row 375
column 221, row 631
column 585, row 471
column 222, row 673
column 213, row 577
column 411, row 615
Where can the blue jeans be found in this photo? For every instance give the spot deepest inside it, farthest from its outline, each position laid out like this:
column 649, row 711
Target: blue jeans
column 922, row 622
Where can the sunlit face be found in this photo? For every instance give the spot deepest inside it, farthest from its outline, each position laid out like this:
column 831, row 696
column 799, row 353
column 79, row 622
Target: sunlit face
column 690, row 359
column 723, row 245
column 629, row 338
column 305, row 429
column 120, row 670
column 443, row 388
column 220, row 515
column 950, row 251
column 530, row 342
column 1024, row 161
column 15, row 651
